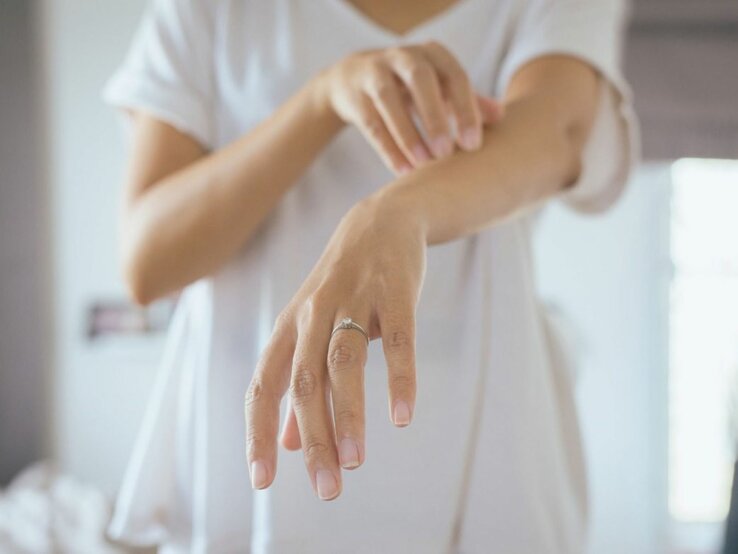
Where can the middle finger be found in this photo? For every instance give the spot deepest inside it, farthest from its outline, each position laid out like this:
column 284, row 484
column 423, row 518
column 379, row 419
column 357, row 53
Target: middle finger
column 421, row 80
column 387, row 97
column 308, row 393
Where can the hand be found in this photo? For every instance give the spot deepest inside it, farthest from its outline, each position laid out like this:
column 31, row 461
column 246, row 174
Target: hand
column 372, row 271
column 378, row 91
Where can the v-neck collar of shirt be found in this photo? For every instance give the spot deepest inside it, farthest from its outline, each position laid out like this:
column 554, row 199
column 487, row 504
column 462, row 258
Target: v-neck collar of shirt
column 372, row 25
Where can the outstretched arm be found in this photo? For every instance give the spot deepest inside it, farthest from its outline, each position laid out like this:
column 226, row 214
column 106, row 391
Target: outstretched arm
column 373, row 267
column 188, row 210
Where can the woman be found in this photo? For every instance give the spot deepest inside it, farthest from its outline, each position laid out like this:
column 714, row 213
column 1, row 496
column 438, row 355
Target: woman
column 298, row 164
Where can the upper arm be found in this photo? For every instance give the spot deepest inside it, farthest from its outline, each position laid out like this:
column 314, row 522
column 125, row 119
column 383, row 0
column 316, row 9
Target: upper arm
column 158, row 150
column 564, row 89
column 166, row 86
column 564, row 58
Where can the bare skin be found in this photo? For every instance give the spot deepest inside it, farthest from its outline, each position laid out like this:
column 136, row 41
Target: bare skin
column 372, row 270
column 188, row 211
column 402, row 17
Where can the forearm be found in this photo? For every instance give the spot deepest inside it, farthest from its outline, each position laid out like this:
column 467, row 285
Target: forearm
column 529, row 156
column 196, row 218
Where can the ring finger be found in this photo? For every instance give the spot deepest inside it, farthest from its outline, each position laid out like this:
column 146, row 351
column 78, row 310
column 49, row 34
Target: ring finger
column 347, row 353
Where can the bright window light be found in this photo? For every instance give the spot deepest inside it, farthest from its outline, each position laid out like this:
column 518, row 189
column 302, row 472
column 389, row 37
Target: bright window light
column 703, row 389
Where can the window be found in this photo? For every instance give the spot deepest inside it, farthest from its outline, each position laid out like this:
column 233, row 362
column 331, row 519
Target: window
column 703, row 389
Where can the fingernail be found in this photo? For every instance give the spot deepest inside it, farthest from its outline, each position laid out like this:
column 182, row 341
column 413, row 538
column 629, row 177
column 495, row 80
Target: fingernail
column 258, row 475
column 401, row 414
column 404, row 169
column 420, row 153
column 348, row 453
column 442, row 146
column 471, row 139
column 327, row 485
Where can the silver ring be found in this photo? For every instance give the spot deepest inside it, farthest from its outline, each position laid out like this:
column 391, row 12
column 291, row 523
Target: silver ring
column 348, row 323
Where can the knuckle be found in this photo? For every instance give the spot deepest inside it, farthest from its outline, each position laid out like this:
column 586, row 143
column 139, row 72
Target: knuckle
column 398, row 340
column 255, row 392
column 283, row 321
column 347, row 417
column 375, row 65
column 316, row 303
column 315, row 449
column 419, row 73
column 255, row 441
column 400, row 348
column 374, row 78
column 384, row 91
column 402, row 383
column 304, row 383
column 342, row 356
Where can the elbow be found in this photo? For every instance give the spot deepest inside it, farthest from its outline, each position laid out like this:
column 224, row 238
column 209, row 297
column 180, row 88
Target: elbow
column 141, row 265
column 137, row 282
column 576, row 133
column 139, row 295
column 139, row 274
column 573, row 141
column 572, row 167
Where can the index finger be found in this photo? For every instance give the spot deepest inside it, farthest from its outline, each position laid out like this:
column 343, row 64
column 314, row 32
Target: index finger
column 265, row 392
column 309, row 400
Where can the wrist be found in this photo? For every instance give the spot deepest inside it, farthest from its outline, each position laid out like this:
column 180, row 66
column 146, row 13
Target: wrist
column 318, row 91
column 398, row 203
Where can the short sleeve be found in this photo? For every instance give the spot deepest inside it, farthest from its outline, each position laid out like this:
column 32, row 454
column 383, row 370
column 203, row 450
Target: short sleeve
column 591, row 30
column 168, row 69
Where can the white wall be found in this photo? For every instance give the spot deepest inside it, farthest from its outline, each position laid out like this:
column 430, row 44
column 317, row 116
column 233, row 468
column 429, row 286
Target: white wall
column 100, row 387
column 610, row 275
column 604, row 271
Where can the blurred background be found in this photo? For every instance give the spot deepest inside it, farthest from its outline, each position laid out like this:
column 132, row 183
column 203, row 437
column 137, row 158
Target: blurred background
column 649, row 290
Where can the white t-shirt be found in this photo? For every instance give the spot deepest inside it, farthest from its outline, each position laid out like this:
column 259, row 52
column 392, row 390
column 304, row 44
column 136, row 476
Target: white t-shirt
column 492, row 461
